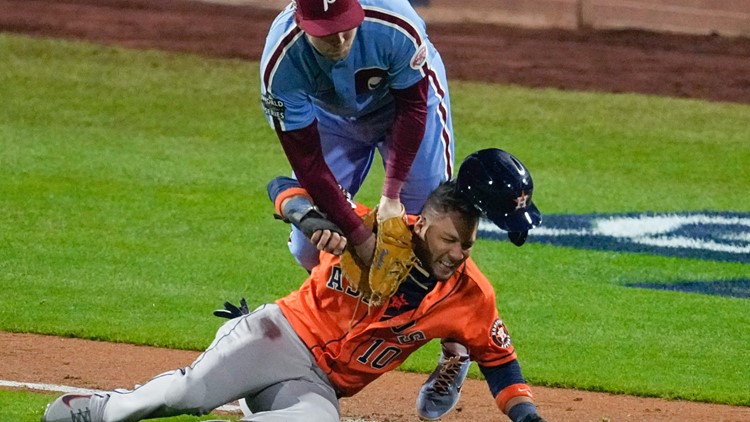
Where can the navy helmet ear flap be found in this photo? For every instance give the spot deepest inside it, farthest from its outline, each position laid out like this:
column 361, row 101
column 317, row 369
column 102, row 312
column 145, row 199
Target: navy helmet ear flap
column 518, row 238
column 500, row 186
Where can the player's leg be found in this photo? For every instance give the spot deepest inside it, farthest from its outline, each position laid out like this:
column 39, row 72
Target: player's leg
column 242, row 360
column 303, row 251
column 442, row 390
column 306, row 399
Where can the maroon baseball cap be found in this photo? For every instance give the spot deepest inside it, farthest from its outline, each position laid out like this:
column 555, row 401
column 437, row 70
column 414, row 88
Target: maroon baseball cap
column 321, row 18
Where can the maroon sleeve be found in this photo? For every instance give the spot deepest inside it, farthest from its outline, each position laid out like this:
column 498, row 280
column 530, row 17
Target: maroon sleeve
column 302, row 148
column 408, row 131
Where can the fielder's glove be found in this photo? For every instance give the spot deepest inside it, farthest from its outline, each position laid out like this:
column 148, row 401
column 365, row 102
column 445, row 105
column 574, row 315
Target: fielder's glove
column 392, row 260
column 230, row 311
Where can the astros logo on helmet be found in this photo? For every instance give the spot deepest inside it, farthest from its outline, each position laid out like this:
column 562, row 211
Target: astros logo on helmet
column 521, row 200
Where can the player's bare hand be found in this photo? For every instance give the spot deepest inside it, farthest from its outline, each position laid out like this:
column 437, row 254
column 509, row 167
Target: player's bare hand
column 389, row 208
column 329, row 241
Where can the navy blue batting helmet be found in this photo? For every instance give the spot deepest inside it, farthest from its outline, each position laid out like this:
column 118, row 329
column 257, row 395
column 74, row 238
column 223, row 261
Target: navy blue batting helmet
column 499, row 185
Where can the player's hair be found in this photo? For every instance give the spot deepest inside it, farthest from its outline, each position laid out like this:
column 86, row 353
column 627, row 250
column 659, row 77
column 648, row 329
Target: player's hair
column 447, row 198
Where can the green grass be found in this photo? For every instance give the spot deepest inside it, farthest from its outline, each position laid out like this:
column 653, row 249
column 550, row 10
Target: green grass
column 132, row 204
column 613, row 153
column 23, row 406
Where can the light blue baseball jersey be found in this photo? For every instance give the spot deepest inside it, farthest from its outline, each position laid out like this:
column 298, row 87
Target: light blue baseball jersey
column 391, row 50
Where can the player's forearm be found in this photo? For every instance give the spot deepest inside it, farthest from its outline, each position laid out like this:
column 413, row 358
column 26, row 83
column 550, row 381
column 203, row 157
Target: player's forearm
column 406, row 137
column 302, row 148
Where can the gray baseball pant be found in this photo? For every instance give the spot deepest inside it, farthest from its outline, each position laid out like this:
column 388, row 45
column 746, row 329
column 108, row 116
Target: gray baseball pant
column 258, row 357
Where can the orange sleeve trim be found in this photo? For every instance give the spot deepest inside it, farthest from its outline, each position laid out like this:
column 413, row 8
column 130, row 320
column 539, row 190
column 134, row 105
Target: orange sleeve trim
column 511, row 391
column 288, row 194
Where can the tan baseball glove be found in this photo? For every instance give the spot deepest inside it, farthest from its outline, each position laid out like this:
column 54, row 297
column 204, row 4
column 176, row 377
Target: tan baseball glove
column 392, row 260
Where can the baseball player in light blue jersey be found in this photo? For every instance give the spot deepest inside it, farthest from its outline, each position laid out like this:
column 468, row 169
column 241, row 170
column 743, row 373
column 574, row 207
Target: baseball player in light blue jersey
column 374, row 83
column 340, row 80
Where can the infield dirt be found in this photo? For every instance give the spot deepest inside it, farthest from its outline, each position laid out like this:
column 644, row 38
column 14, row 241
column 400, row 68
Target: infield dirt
column 703, row 67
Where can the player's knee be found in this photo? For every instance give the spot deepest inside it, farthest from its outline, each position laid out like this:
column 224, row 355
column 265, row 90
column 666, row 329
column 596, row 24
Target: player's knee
column 414, row 196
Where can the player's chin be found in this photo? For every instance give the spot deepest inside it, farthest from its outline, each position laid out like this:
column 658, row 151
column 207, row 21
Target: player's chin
column 442, row 272
column 338, row 55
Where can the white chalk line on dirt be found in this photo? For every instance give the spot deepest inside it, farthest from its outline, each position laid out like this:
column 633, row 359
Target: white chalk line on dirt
column 68, row 389
column 77, row 390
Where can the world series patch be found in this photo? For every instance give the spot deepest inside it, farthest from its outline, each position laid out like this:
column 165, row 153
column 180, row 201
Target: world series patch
column 273, row 106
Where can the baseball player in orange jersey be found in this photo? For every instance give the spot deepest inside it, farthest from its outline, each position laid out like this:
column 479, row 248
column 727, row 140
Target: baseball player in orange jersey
column 293, row 359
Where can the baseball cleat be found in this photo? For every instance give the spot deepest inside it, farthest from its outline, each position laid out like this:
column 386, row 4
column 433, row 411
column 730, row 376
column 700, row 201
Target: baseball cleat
column 76, row 408
column 440, row 393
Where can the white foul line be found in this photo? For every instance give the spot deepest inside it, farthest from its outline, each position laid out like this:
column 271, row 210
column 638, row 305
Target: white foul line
column 68, row 389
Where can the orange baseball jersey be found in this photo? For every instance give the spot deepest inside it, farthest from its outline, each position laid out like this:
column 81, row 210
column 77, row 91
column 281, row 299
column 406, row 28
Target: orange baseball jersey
column 354, row 343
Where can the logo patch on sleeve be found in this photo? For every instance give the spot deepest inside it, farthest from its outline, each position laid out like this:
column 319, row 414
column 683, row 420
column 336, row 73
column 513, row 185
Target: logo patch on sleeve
column 419, row 58
column 273, row 106
column 499, row 334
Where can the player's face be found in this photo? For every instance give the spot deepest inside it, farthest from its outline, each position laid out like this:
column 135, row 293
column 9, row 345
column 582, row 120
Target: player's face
column 442, row 242
column 334, row 47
